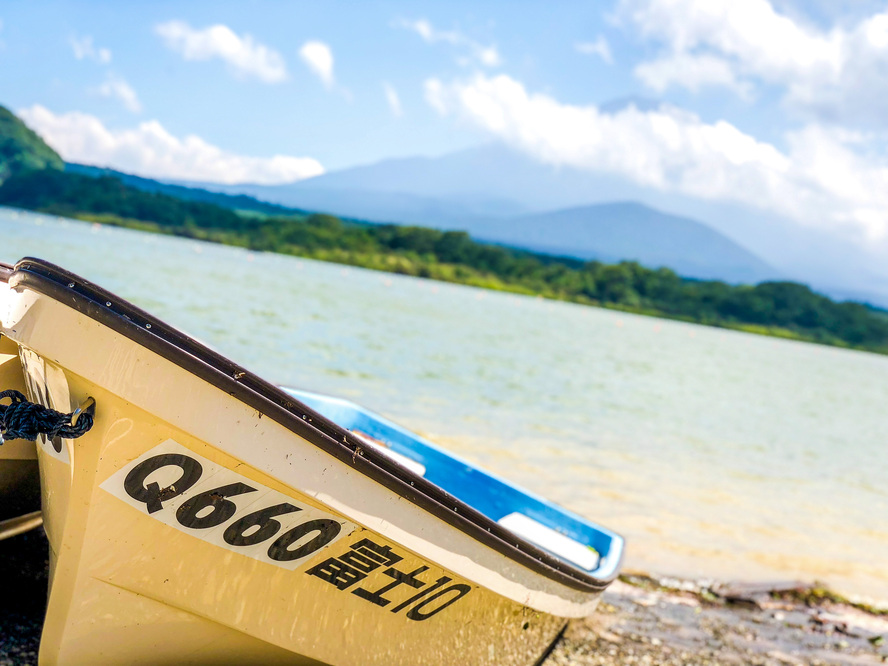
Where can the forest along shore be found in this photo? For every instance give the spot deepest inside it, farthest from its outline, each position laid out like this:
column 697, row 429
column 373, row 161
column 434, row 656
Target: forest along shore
column 780, row 309
column 640, row 620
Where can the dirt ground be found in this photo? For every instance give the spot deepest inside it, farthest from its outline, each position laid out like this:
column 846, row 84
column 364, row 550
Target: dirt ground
column 641, row 620
column 24, row 567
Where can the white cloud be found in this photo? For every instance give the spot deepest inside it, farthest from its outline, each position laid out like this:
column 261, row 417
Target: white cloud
column 425, row 30
column 488, row 56
column 119, row 89
column 85, row 49
column 821, row 180
column 244, row 55
column 599, row 47
column 150, row 150
column 692, row 72
column 319, row 59
column 839, row 73
column 752, row 31
column 436, row 96
column 394, row 102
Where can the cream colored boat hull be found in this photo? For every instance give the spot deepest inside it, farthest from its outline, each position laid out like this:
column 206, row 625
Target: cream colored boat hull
column 152, row 519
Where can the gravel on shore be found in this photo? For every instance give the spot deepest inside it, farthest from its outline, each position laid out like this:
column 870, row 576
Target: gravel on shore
column 643, row 620
column 24, row 561
column 640, row 620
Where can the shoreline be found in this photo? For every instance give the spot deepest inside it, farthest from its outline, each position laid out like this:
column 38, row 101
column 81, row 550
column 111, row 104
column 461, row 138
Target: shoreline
column 641, row 619
column 393, row 263
column 484, row 281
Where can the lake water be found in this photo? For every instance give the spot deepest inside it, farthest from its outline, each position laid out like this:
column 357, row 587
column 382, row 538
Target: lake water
column 717, row 454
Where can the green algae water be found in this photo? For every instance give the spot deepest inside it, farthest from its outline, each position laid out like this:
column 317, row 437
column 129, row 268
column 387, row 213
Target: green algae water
column 717, row 454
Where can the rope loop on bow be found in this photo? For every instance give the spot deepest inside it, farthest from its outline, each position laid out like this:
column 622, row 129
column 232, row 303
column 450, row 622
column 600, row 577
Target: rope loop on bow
column 26, row 420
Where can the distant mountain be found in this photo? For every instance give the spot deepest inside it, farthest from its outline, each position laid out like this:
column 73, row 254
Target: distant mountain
column 606, row 232
column 620, row 231
column 380, row 206
column 21, row 149
column 487, row 181
column 469, row 188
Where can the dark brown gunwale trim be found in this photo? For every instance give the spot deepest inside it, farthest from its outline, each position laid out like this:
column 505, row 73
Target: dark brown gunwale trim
column 178, row 348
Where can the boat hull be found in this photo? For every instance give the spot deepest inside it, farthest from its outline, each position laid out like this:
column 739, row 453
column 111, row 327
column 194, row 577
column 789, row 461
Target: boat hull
column 197, row 525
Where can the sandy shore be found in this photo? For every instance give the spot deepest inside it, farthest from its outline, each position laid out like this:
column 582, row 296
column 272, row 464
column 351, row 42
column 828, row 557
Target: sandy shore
column 641, row 620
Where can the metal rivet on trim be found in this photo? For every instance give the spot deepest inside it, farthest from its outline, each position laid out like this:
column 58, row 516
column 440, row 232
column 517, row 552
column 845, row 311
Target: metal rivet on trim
column 70, row 284
column 147, row 325
column 108, row 304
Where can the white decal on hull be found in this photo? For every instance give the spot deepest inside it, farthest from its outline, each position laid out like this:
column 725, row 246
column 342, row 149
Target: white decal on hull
column 186, row 491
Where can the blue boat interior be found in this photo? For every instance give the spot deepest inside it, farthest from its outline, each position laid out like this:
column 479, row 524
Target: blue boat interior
column 572, row 539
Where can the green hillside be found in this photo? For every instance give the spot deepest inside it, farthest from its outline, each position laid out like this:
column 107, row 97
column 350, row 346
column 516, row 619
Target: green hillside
column 21, row 149
column 70, row 194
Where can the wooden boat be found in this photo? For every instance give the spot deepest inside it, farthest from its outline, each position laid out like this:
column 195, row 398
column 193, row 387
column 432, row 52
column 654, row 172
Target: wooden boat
column 211, row 518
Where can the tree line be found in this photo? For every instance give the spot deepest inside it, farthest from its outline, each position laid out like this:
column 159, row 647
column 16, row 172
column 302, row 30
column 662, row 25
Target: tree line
column 778, row 308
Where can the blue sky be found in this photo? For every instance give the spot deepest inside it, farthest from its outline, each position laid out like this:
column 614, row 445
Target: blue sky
column 775, row 105
column 237, row 109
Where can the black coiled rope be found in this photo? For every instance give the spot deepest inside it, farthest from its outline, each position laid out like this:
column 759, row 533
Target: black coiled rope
column 27, row 420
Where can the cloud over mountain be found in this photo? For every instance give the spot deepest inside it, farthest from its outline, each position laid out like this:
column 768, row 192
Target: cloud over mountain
column 820, row 180
column 150, row 150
